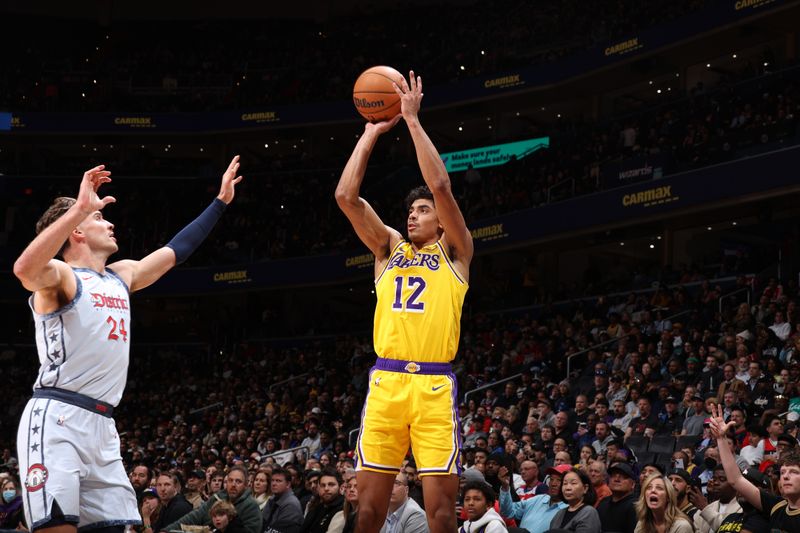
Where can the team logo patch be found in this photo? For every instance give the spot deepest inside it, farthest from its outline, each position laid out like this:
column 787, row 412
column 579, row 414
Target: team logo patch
column 413, row 367
column 36, row 478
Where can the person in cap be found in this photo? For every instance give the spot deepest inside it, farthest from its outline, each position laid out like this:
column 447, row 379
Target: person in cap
column 709, row 519
column 534, row 514
column 682, row 482
column 193, row 492
column 693, row 425
column 617, row 511
column 749, row 519
column 670, row 421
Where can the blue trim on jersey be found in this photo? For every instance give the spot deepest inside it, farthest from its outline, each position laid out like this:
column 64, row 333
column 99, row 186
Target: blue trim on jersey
column 41, row 450
column 63, row 350
column 110, row 523
column 68, row 518
column 67, row 307
column 28, row 508
column 114, row 274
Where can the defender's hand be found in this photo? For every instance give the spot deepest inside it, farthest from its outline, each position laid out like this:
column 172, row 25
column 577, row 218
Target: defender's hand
column 229, row 181
column 88, row 201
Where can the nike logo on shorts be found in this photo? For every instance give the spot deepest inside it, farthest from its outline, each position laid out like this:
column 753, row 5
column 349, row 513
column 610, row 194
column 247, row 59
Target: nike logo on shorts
column 434, row 389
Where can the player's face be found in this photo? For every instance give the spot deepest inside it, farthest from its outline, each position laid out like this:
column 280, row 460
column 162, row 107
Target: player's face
column 423, row 224
column 98, row 233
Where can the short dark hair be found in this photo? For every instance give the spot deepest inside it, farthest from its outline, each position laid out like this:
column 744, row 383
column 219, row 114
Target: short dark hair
column 331, row 472
column 60, row 205
column 791, row 458
column 280, row 471
column 484, row 488
column 422, row 192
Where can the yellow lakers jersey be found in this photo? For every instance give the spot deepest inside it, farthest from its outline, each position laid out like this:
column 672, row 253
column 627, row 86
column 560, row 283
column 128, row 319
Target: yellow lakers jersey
column 418, row 314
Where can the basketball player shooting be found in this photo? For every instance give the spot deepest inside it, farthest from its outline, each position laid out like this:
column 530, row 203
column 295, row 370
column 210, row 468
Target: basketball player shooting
column 420, row 283
column 67, row 442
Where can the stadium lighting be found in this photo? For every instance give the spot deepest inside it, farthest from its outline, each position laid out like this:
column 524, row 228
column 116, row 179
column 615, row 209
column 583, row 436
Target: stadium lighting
column 483, row 53
column 650, row 82
column 622, row 244
column 734, row 56
column 331, row 138
column 709, row 228
column 733, row 223
column 652, row 246
column 266, row 145
column 558, row 115
column 490, row 126
column 83, row 95
column 658, row 237
column 460, row 128
column 462, row 67
column 766, row 64
column 677, row 74
column 94, row 81
column 517, row 113
column 658, row 91
column 708, row 65
column 201, row 148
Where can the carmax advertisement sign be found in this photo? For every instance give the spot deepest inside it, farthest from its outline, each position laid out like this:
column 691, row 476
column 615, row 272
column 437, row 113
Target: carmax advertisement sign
column 490, row 156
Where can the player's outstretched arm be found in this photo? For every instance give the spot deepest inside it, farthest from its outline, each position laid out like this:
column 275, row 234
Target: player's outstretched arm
column 378, row 237
column 718, row 430
column 145, row 272
column 434, row 172
column 37, row 267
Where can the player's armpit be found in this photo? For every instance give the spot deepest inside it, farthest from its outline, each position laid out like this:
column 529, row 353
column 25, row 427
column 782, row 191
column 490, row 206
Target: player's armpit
column 146, row 271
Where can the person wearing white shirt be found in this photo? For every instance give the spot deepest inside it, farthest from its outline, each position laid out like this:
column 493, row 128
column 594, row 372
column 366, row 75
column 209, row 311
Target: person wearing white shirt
column 780, row 327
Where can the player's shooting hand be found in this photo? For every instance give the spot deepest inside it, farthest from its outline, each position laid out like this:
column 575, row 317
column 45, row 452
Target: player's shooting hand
column 410, row 96
column 379, row 128
column 88, row 201
column 229, row 181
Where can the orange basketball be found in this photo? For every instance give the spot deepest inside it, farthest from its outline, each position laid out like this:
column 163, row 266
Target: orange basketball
column 373, row 94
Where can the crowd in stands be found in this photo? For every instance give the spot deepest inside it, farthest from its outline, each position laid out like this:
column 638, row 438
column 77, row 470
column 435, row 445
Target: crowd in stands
column 86, row 66
column 266, row 424
column 296, row 194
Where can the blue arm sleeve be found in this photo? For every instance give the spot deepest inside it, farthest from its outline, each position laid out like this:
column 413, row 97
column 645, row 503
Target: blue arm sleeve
column 189, row 238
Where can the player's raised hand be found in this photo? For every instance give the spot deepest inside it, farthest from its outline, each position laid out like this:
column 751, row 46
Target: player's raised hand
column 88, row 201
column 380, row 128
column 410, row 95
column 717, row 424
column 229, row 181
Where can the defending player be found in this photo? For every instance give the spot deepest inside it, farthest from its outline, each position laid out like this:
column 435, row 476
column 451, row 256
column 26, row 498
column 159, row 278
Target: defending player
column 420, row 285
column 67, row 442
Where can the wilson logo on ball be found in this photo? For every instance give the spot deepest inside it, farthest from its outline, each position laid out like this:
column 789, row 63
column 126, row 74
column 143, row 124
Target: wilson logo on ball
column 364, row 103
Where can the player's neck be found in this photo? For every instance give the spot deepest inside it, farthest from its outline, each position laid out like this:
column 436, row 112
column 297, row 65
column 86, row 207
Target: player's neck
column 87, row 259
column 419, row 245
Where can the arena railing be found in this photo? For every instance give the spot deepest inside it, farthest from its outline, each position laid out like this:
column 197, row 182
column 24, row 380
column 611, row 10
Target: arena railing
column 617, row 339
column 569, row 360
column 745, row 290
column 291, row 451
column 285, row 381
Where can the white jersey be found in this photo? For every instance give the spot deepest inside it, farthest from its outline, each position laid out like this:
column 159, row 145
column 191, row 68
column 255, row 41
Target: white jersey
column 84, row 347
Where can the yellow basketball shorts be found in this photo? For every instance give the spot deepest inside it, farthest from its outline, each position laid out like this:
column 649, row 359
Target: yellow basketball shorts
column 410, row 404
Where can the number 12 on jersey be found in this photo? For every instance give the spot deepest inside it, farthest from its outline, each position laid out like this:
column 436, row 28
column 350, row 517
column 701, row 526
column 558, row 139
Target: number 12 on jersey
column 412, row 303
